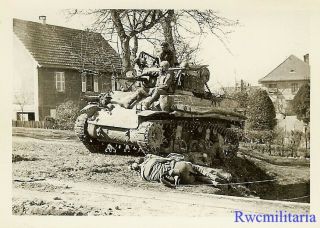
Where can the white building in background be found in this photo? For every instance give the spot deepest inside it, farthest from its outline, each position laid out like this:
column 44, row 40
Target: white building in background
column 284, row 81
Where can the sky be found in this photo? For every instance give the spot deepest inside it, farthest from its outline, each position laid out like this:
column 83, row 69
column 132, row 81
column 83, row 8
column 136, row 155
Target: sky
column 266, row 36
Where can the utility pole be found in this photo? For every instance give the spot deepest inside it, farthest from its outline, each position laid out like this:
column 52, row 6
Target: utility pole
column 241, row 85
column 305, row 135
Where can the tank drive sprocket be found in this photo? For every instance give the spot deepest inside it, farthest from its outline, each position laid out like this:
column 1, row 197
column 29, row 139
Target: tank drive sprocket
column 153, row 137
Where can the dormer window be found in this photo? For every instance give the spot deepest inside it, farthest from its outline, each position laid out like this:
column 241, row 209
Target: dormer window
column 272, row 86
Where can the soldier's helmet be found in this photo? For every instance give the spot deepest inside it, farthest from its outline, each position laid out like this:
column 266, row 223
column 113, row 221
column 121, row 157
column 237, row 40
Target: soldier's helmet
column 164, row 65
column 164, row 44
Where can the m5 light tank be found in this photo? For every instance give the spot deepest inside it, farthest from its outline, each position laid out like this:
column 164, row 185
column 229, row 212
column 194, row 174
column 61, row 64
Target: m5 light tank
column 187, row 120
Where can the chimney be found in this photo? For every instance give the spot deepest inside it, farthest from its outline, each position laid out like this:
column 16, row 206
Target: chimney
column 43, row 19
column 306, row 58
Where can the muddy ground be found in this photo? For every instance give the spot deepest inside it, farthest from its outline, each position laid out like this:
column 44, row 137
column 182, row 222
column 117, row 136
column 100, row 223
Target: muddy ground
column 54, row 174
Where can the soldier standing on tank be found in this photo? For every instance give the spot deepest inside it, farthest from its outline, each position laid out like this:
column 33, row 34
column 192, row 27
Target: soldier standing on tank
column 166, row 54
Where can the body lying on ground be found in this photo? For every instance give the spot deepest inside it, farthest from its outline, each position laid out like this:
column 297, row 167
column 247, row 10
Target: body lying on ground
column 174, row 170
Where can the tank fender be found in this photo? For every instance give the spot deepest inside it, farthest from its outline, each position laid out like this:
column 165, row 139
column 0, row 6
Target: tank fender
column 90, row 109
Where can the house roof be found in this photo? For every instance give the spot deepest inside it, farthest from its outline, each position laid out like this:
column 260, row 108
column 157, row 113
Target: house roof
column 61, row 47
column 291, row 69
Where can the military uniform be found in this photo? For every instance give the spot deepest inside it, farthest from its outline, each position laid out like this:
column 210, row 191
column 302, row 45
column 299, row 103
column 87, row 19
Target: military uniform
column 156, row 168
column 167, row 55
column 162, row 87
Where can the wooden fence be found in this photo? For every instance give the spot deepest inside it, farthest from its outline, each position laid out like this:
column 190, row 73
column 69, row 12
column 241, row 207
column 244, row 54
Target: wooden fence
column 33, row 124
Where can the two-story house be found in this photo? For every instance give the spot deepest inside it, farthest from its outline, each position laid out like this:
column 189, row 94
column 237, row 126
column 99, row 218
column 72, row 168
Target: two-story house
column 52, row 64
column 284, row 81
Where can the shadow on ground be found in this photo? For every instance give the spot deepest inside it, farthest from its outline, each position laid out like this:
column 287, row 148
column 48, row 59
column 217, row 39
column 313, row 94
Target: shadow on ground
column 244, row 170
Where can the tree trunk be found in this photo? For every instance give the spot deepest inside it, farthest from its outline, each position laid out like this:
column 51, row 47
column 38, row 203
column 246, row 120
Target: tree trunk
column 126, row 63
column 135, row 46
column 134, row 50
column 167, row 32
column 124, row 39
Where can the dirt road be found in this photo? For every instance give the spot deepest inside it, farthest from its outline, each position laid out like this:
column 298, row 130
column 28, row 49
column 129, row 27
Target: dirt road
column 105, row 199
column 58, row 176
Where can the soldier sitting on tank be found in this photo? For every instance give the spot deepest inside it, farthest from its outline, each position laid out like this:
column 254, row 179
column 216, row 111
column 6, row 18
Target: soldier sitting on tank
column 163, row 84
column 162, row 87
column 174, row 170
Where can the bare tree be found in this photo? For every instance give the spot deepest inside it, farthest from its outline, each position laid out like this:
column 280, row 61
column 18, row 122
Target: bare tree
column 167, row 27
column 126, row 24
column 174, row 26
column 21, row 99
column 182, row 28
column 193, row 24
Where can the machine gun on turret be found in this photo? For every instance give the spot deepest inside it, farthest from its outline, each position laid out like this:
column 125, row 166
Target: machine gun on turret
column 102, row 99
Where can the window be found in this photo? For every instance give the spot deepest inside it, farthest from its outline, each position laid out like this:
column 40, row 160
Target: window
column 95, row 84
column 272, row 88
column 53, row 113
column 294, row 87
column 60, row 81
column 84, row 82
column 89, row 83
column 25, row 116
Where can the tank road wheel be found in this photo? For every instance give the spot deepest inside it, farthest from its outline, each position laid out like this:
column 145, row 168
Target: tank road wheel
column 180, row 146
column 194, row 146
column 228, row 145
column 80, row 128
column 233, row 145
column 221, row 150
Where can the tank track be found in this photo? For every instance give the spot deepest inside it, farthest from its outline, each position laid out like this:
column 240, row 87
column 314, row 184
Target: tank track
column 96, row 146
column 160, row 137
column 228, row 146
column 93, row 145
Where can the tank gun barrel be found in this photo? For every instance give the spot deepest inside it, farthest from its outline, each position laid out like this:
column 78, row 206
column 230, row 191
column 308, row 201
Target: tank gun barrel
column 176, row 68
column 91, row 98
column 187, row 68
column 131, row 78
column 142, row 54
